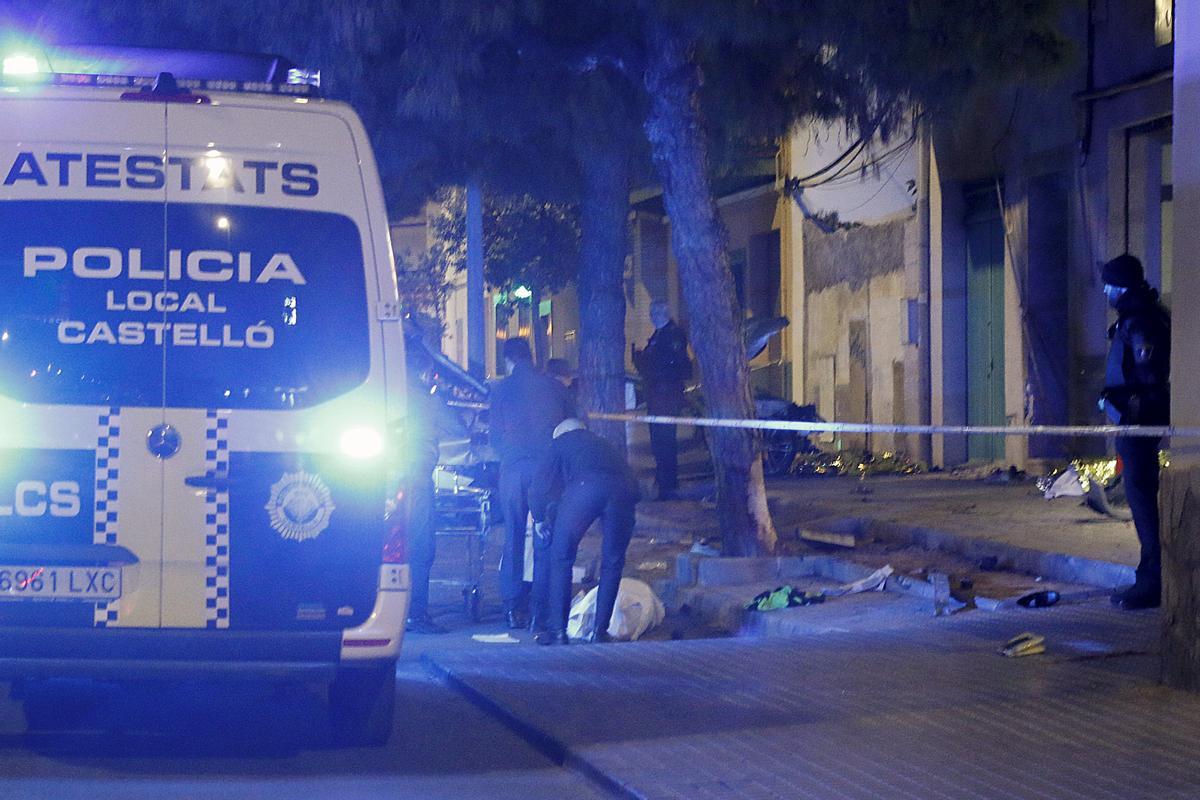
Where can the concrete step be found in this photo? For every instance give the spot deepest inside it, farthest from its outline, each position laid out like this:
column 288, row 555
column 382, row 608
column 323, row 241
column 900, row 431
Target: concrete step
column 724, row 607
column 717, row 571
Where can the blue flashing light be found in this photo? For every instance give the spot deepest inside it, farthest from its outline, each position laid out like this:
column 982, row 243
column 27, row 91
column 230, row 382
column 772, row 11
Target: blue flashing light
column 304, row 77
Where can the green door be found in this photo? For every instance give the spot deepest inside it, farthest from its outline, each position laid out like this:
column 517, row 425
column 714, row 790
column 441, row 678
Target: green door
column 985, row 321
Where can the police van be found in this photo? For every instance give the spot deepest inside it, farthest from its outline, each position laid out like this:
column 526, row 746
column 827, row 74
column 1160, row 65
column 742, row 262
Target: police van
column 201, row 371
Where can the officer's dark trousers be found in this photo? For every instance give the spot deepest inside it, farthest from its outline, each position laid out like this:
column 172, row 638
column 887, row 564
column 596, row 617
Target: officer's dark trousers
column 598, row 496
column 666, row 459
column 422, row 542
column 514, row 499
column 1140, row 476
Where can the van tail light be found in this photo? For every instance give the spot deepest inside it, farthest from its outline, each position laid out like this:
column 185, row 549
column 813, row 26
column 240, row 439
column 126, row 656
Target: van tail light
column 395, row 542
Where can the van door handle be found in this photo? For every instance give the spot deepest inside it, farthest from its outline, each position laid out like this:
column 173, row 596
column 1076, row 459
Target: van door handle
column 216, row 482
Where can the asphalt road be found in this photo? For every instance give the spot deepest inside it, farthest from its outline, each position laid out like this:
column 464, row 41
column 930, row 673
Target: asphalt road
column 92, row 741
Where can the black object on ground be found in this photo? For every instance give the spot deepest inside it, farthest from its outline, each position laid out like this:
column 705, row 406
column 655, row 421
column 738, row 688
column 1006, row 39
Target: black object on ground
column 1042, row 599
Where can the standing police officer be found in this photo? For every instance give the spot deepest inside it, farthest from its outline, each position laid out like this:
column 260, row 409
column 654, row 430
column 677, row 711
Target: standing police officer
column 588, row 480
column 525, row 408
column 427, row 421
column 1137, row 392
column 665, row 368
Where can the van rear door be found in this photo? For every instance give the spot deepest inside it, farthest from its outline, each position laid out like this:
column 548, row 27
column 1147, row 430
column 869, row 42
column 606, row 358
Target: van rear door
column 82, row 203
column 272, row 383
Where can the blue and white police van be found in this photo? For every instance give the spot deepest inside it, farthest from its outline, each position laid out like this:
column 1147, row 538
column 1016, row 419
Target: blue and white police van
column 201, row 370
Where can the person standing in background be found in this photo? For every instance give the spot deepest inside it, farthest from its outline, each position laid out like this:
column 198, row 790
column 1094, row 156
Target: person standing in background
column 665, row 369
column 427, row 421
column 1137, row 391
column 560, row 369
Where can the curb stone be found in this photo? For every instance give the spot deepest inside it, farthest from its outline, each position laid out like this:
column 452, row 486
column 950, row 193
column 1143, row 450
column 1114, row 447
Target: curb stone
column 1048, row 564
column 695, row 572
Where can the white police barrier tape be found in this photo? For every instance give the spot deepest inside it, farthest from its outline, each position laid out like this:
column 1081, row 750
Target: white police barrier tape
column 863, row 427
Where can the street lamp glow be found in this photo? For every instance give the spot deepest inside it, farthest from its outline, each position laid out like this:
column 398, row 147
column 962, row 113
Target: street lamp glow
column 20, row 64
column 522, row 293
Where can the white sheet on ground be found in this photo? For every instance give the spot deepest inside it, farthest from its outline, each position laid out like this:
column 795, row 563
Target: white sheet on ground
column 637, row 611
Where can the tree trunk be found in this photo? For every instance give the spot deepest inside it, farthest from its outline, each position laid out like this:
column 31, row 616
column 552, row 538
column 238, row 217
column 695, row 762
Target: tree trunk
column 541, row 343
column 1179, row 509
column 603, row 241
column 677, row 139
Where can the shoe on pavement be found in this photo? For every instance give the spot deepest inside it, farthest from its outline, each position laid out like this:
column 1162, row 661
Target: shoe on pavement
column 598, row 637
column 516, row 620
column 423, row 624
column 552, row 637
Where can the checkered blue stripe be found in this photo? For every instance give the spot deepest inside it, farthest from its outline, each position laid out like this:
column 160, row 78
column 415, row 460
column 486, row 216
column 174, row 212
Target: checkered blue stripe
column 216, row 522
column 106, row 511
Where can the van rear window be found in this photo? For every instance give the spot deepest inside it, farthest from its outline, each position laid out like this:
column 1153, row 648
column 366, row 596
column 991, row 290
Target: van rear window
column 185, row 304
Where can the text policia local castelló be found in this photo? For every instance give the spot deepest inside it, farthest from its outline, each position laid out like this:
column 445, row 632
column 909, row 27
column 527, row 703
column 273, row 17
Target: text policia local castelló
column 200, row 266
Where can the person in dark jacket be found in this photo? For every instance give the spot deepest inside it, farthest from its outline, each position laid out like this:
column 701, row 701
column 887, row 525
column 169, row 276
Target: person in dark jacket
column 560, row 369
column 584, row 478
column 427, row 421
column 1137, row 392
column 665, row 369
column 525, row 408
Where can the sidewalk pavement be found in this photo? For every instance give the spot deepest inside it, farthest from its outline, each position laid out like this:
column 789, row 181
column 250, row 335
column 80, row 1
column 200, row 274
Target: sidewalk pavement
column 1008, row 523
column 928, row 711
column 1014, row 513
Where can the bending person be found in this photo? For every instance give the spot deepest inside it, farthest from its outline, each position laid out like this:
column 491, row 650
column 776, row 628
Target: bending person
column 584, row 478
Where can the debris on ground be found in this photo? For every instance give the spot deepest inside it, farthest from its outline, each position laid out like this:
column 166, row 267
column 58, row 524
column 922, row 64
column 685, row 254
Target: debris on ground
column 1024, row 644
column 872, row 583
column 1097, row 481
column 1098, row 500
column 1067, row 484
column 495, row 638
column 850, row 462
column 987, row 474
column 785, row 596
column 835, row 538
column 1010, row 475
column 941, row 593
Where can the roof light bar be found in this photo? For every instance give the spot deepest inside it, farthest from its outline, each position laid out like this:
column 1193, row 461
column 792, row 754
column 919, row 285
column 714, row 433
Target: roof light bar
column 138, row 81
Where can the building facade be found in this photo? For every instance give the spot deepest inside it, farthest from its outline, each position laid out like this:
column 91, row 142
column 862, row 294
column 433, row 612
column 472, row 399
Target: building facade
column 949, row 275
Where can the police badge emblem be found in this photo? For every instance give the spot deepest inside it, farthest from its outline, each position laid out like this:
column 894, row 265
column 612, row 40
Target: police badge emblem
column 300, row 506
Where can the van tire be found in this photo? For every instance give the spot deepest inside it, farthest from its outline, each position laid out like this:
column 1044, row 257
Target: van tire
column 362, row 703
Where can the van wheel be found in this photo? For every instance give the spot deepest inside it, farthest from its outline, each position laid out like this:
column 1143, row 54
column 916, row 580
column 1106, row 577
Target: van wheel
column 362, row 702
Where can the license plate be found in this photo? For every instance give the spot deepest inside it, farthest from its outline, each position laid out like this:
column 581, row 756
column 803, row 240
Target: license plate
column 59, row 583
